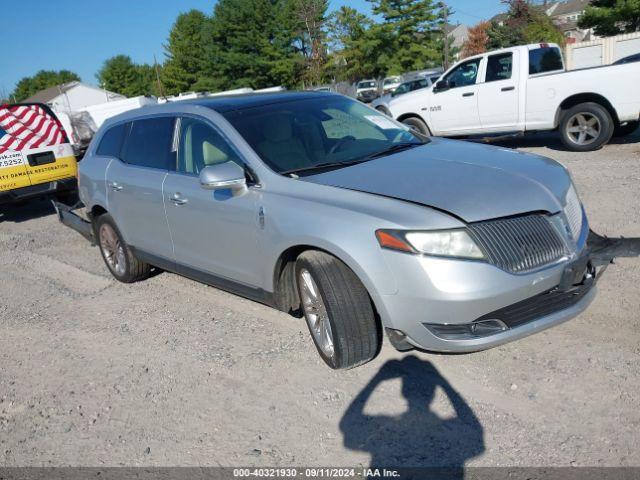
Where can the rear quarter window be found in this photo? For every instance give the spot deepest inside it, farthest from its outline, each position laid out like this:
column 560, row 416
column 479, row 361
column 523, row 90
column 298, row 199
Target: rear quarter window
column 149, row 143
column 545, row 59
column 111, row 141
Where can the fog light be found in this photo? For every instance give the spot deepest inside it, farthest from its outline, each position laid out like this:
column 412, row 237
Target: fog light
column 466, row 331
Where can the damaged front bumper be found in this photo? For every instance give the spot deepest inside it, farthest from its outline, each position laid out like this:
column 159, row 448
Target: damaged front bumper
column 572, row 294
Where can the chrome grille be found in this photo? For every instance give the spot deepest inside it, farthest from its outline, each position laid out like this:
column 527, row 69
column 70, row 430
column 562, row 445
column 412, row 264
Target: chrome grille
column 573, row 212
column 519, row 244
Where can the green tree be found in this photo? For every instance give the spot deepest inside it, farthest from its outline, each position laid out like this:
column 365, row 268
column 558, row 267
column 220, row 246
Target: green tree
column 121, row 75
column 117, row 74
column 309, row 18
column 542, row 29
column 611, row 17
column 407, row 38
column 287, row 48
column 350, row 46
column 239, row 50
column 185, row 53
column 28, row 86
column 525, row 23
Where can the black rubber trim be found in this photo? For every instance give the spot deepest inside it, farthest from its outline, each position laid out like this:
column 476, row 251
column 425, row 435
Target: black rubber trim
column 541, row 305
column 252, row 293
column 31, row 191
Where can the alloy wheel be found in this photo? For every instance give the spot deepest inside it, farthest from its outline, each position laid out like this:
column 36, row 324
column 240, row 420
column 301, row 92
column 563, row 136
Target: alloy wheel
column 316, row 313
column 583, row 128
column 112, row 249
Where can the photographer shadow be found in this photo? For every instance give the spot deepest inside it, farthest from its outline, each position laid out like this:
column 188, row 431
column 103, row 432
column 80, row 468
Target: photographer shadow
column 418, row 437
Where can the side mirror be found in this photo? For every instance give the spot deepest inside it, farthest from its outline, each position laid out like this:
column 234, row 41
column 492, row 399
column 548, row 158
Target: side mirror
column 442, row 85
column 223, row 175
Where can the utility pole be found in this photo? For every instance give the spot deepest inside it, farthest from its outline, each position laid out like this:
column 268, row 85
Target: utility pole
column 445, row 36
column 160, row 87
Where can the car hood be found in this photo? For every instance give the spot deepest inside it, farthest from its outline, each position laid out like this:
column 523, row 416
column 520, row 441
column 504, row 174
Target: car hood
column 471, row 181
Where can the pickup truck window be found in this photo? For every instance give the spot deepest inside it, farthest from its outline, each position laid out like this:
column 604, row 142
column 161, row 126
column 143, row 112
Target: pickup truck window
column 464, row 74
column 499, row 67
column 201, row 146
column 149, row 143
column 544, row 59
column 111, row 141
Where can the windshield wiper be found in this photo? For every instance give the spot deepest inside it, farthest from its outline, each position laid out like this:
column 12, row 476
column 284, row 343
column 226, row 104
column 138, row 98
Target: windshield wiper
column 321, row 166
column 396, row 147
column 387, row 151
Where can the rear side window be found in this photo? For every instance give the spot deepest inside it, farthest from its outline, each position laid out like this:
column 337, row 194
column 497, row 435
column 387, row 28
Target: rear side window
column 499, row 67
column 111, row 142
column 544, row 59
column 149, row 143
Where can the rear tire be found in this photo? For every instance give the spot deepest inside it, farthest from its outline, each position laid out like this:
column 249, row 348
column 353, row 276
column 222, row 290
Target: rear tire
column 627, row 129
column 117, row 255
column 340, row 311
column 586, row 127
column 417, row 124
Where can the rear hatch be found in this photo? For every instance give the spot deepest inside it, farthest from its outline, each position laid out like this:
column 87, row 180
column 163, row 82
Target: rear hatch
column 34, row 147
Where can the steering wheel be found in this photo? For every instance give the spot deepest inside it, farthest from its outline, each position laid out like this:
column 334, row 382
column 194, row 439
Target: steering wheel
column 340, row 143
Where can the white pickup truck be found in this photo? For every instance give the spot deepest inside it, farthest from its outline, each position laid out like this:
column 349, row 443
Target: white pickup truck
column 523, row 89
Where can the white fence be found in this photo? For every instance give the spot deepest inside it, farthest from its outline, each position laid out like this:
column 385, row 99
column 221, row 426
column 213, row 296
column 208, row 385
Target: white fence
column 602, row 51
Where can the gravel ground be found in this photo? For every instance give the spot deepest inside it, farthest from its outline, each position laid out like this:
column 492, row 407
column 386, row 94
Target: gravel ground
column 172, row 372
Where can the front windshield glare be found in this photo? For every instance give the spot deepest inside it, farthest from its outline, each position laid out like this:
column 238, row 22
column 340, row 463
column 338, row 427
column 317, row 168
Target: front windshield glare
column 327, row 130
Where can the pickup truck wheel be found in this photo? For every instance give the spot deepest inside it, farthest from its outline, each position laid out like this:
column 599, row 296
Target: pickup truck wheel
column 417, row 124
column 337, row 309
column 117, row 255
column 626, row 129
column 586, row 127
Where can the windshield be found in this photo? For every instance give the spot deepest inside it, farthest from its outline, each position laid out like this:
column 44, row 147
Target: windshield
column 367, row 85
column 389, row 81
column 327, row 130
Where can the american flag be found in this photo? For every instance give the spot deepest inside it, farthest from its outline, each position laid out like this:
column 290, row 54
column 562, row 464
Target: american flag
column 28, row 126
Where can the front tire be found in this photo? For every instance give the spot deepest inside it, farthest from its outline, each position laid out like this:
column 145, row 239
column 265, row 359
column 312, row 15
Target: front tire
column 337, row 309
column 417, row 124
column 117, row 255
column 586, row 127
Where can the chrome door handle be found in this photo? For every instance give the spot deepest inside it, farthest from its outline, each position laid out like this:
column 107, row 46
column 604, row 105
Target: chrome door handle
column 178, row 199
column 116, row 187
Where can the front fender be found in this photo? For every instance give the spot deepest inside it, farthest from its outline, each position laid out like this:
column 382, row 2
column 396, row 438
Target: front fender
column 367, row 264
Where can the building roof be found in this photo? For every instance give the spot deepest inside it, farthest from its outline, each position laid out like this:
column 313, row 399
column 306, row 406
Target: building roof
column 570, row 6
column 48, row 94
column 567, row 26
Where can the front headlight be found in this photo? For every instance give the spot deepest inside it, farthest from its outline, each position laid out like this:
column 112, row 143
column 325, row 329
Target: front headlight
column 443, row 243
